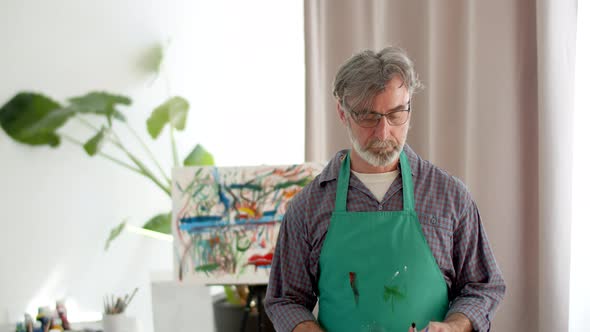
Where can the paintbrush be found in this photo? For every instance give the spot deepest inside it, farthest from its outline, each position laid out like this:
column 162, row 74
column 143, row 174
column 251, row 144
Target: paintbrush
column 117, row 305
column 131, row 297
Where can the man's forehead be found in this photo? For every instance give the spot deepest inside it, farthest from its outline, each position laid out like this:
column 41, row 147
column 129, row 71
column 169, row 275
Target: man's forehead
column 391, row 93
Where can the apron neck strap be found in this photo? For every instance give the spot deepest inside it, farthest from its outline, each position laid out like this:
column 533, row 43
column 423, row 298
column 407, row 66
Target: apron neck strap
column 342, row 188
column 344, row 179
column 407, row 184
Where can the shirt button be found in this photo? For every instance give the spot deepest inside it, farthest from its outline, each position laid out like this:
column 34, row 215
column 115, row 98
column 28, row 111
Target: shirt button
column 380, row 207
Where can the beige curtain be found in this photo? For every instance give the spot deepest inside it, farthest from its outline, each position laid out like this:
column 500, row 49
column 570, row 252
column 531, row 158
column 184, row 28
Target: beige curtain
column 496, row 112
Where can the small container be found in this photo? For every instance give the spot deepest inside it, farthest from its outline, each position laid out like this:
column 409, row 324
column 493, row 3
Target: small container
column 119, row 323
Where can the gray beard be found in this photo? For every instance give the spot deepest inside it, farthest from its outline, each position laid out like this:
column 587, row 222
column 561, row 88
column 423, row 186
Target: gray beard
column 380, row 159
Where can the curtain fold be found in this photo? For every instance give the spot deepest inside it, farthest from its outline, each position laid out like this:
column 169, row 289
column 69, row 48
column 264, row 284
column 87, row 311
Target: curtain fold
column 496, row 112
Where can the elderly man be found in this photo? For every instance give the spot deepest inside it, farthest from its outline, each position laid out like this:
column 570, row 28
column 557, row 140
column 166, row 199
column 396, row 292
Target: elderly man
column 382, row 237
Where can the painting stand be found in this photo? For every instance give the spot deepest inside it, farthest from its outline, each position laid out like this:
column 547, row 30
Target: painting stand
column 255, row 292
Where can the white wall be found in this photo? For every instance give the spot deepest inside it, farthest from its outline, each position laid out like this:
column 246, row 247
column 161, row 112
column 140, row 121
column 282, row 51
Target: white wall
column 240, row 66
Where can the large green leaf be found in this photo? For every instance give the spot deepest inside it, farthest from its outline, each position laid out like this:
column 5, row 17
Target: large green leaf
column 172, row 111
column 94, row 144
column 199, row 157
column 160, row 223
column 151, row 60
column 100, row 103
column 115, row 232
column 33, row 118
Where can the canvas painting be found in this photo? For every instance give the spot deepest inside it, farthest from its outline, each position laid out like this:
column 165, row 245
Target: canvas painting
column 226, row 219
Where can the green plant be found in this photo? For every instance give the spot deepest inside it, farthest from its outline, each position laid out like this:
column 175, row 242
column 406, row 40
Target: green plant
column 37, row 120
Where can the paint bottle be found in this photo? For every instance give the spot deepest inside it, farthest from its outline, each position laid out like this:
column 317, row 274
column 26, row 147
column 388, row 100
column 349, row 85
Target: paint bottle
column 44, row 316
column 37, row 326
column 56, row 325
column 20, row 327
column 62, row 313
column 28, row 323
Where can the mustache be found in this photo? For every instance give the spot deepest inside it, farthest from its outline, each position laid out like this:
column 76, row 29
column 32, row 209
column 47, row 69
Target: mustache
column 381, row 144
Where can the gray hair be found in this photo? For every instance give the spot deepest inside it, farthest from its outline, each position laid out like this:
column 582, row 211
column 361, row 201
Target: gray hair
column 367, row 73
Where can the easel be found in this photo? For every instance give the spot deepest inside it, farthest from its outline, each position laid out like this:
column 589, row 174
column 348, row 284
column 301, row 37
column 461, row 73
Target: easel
column 255, row 291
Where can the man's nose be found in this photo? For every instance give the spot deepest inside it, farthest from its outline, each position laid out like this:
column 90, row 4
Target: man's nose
column 382, row 128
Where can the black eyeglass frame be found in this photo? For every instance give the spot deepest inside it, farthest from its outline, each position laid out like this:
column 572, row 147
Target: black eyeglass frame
column 355, row 116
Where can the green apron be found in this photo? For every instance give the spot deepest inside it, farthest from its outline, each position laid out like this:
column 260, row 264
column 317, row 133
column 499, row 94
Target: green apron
column 377, row 272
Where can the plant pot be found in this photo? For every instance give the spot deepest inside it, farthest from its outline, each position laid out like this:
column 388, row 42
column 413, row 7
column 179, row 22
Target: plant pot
column 228, row 318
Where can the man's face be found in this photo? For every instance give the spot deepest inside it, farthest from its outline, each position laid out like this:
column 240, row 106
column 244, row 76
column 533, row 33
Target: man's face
column 381, row 145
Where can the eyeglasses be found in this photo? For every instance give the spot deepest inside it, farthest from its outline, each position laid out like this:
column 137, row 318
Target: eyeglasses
column 370, row 119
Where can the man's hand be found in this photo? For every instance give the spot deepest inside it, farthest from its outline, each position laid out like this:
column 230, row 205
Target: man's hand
column 454, row 323
column 308, row 326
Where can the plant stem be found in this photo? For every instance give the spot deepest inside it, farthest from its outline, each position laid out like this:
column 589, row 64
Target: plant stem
column 141, row 166
column 174, row 151
column 86, row 123
column 149, row 174
column 90, row 126
column 104, row 155
column 149, row 152
column 142, row 169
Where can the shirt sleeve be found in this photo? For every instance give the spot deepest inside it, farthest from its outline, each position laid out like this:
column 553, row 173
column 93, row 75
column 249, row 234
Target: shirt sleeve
column 478, row 287
column 290, row 298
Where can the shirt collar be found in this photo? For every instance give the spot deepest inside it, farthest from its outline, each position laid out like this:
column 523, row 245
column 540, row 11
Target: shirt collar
column 333, row 168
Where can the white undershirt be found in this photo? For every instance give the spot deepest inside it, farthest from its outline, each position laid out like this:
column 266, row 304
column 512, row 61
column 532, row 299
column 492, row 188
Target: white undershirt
column 378, row 183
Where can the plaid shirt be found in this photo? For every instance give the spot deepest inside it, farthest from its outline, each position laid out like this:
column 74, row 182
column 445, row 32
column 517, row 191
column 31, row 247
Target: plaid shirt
column 450, row 222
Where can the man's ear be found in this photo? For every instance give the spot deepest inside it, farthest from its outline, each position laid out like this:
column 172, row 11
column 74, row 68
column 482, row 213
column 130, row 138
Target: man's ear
column 341, row 113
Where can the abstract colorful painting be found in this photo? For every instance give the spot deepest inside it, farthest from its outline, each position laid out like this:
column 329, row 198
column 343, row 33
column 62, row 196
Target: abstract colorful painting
column 226, row 219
